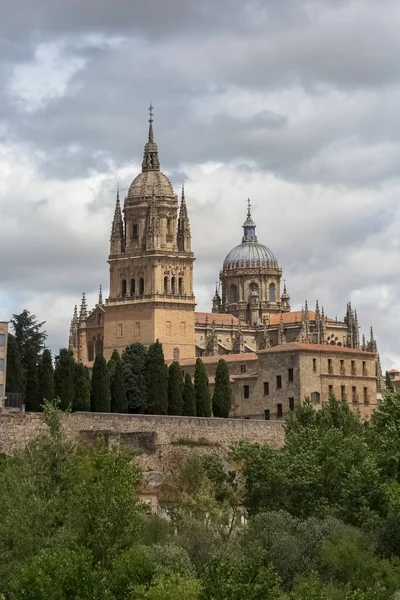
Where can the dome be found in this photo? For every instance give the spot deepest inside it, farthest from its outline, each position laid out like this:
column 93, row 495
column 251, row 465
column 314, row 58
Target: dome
column 250, row 252
column 149, row 182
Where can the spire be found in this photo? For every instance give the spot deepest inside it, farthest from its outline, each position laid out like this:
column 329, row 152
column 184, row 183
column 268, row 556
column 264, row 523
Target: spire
column 73, row 332
column 150, row 155
column 281, row 332
column 216, row 303
column 117, row 229
column 83, row 311
column 100, row 302
column 249, row 226
column 285, row 298
column 184, row 235
column 364, row 344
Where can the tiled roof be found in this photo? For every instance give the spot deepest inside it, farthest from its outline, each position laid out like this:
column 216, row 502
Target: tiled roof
column 292, row 317
column 293, row 346
column 394, row 371
column 218, row 318
column 243, row 357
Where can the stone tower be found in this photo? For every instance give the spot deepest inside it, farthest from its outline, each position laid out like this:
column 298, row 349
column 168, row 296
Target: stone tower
column 151, row 265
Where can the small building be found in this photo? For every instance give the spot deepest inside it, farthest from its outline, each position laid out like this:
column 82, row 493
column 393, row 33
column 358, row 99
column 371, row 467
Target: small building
column 3, row 360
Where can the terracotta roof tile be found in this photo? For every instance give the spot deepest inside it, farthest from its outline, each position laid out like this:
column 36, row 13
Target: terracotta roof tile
column 293, row 346
column 393, row 371
column 243, row 357
column 218, row 318
column 292, row 317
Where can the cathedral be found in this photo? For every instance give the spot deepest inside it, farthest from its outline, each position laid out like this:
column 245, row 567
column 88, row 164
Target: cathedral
column 151, row 292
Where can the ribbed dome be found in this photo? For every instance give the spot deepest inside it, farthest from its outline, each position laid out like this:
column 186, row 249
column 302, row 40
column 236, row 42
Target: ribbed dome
column 149, row 182
column 250, row 252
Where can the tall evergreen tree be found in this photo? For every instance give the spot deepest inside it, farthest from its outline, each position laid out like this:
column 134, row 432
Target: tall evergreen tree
column 157, row 380
column 64, row 378
column 134, row 360
column 15, row 378
column 389, row 382
column 188, row 398
column 81, row 398
column 100, row 388
column 29, row 334
column 115, row 357
column 201, row 390
column 46, row 377
column 221, row 402
column 32, row 399
column 119, row 403
column 175, row 402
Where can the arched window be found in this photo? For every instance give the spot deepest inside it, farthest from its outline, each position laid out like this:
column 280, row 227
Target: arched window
column 133, row 287
column 141, row 286
column 233, row 296
column 180, row 286
column 272, row 292
column 90, row 352
column 173, row 281
column 99, row 318
column 315, row 397
column 99, row 347
column 124, row 287
column 165, row 285
column 254, row 286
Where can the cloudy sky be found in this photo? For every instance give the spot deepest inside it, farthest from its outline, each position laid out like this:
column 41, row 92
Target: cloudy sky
column 293, row 103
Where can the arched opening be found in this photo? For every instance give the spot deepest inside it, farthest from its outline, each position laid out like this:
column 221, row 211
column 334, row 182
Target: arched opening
column 180, row 286
column 254, row 286
column 176, row 353
column 90, row 352
column 315, row 397
column 233, row 295
column 123, row 287
column 99, row 347
column 133, row 287
column 173, row 281
column 141, row 286
column 99, row 318
column 272, row 292
column 165, row 285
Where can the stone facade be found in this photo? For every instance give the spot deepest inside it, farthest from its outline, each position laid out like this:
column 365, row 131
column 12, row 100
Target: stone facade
column 3, row 360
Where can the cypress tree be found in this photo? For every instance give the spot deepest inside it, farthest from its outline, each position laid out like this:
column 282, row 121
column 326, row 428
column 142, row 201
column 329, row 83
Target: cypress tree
column 221, row 402
column 115, row 357
column 32, row 402
column 100, row 388
column 134, row 360
column 201, row 391
column 15, row 377
column 189, row 400
column 389, row 382
column 81, row 399
column 175, row 402
column 157, row 380
column 46, row 377
column 119, row 403
column 64, row 378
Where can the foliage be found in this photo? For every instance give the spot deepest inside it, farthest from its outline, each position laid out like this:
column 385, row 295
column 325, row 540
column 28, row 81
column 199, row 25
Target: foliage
column 134, row 360
column 188, row 397
column 221, row 402
column 32, row 398
column 29, row 334
column 157, row 380
column 112, row 363
column 46, row 376
column 389, row 382
column 81, row 397
column 175, row 401
column 201, row 390
column 174, row 587
column 15, row 378
column 119, row 403
column 100, row 386
column 64, row 373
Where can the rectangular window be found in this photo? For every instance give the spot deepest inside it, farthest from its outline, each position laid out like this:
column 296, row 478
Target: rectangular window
column 135, row 231
column 183, row 327
column 168, row 326
column 290, row 374
column 330, row 391
column 266, row 415
column 120, row 330
column 343, row 393
column 137, row 329
column 353, row 367
column 291, row 404
column 1, row 364
column 266, row 388
column 279, row 411
column 354, row 394
column 314, row 364
column 1, row 389
column 246, row 392
column 2, row 339
column 278, row 382
column 243, row 368
column 342, row 370
column 366, row 399
column 364, row 367
column 330, row 369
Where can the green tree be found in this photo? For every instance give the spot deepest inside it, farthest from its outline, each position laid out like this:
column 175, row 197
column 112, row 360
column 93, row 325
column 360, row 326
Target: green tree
column 112, row 363
column 29, row 334
column 157, row 380
column 384, row 434
column 201, row 390
column 81, row 397
column 32, row 398
column 15, row 377
column 175, row 401
column 221, row 402
column 46, row 377
column 64, row 374
column 188, row 397
column 119, row 403
column 134, row 359
column 389, row 382
column 100, row 387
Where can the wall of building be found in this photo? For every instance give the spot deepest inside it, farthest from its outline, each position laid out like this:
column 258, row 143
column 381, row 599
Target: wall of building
column 3, row 360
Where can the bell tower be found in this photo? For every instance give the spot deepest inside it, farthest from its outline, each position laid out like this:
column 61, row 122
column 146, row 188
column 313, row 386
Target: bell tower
column 151, row 265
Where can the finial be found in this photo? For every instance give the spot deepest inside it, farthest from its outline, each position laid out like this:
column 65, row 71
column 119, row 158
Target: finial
column 372, row 334
column 284, row 285
column 151, row 137
column 183, row 191
column 151, row 107
column 248, row 207
column 100, row 296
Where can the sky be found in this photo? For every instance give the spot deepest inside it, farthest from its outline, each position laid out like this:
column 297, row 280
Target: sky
column 294, row 104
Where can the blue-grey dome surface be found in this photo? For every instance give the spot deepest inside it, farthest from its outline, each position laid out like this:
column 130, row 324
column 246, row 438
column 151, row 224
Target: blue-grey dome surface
column 251, row 252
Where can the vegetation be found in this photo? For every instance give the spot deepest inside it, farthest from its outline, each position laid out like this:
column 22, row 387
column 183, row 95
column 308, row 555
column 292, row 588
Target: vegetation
column 157, row 380
column 15, row 381
column 188, row 397
column 221, row 402
column 100, row 386
column 64, row 374
column 175, row 386
column 119, row 402
column 81, row 398
column 201, row 391
column 134, row 359
column 46, row 377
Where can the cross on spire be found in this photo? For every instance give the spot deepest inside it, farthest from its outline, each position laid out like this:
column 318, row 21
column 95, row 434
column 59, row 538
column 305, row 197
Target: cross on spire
column 248, row 207
column 151, row 108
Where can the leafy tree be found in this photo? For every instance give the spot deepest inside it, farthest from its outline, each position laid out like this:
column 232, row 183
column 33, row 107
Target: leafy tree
column 29, row 334
column 64, row 374
column 100, row 386
column 119, row 403
column 384, row 434
column 221, row 402
column 134, row 359
column 81, row 397
column 389, row 382
column 46, row 377
column 188, row 397
column 174, row 587
column 201, row 391
column 157, row 380
column 175, row 401
column 32, row 398
column 15, row 381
